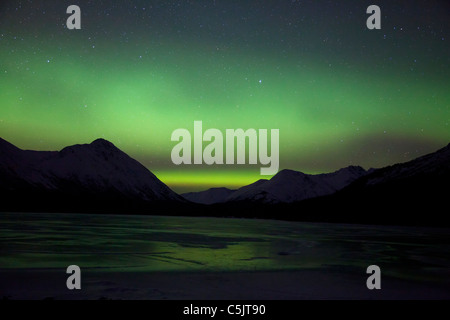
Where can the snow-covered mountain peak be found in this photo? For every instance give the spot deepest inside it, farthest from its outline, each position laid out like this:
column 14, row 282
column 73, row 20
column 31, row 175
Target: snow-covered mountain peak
column 95, row 168
column 289, row 186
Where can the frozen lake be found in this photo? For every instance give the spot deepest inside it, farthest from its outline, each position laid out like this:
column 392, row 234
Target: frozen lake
column 155, row 245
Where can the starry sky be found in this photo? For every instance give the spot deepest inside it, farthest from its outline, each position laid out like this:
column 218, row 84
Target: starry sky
column 340, row 94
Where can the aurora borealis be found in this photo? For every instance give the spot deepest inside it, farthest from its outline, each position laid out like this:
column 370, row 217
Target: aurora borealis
column 339, row 93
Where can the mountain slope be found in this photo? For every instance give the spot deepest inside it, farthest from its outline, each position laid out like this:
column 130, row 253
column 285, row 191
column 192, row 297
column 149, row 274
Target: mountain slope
column 423, row 179
column 411, row 193
column 436, row 165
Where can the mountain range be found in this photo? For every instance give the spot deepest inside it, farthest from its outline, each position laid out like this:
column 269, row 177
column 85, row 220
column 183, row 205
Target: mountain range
column 287, row 186
column 98, row 177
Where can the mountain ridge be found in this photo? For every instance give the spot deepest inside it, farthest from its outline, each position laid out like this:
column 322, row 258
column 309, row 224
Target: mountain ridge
column 286, row 186
column 100, row 178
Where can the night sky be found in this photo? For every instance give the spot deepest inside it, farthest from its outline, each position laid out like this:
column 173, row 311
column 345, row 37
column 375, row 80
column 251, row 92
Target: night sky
column 340, row 94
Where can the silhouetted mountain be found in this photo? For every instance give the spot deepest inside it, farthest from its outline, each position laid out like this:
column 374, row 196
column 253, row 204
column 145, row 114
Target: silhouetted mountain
column 290, row 186
column 210, row 196
column 419, row 180
column 411, row 193
column 434, row 165
column 98, row 172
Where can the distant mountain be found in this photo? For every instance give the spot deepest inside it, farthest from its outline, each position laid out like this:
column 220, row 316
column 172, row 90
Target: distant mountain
column 287, row 186
column 91, row 171
column 290, row 186
column 210, row 196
